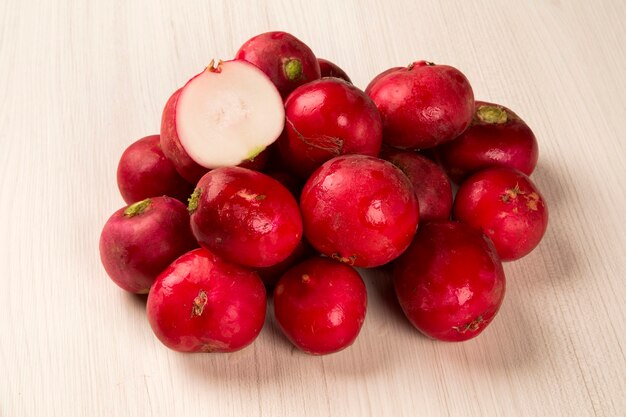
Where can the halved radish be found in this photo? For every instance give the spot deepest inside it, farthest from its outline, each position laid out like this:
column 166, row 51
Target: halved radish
column 227, row 114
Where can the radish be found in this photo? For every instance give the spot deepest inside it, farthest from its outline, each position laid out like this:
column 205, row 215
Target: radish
column 328, row 118
column 202, row 303
column 144, row 171
column 330, row 69
column 430, row 183
column 359, row 210
column 286, row 60
column 450, row 282
column 142, row 239
column 507, row 206
column 496, row 137
column 320, row 305
column 246, row 217
column 226, row 115
column 423, row 105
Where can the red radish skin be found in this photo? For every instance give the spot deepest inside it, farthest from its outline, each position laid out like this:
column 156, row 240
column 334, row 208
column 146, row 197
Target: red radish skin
column 224, row 116
column 450, row 282
column 496, row 137
column 144, row 171
column 378, row 77
column 202, row 303
column 246, row 217
column 286, row 60
column 359, row 210
column 423, row 105
column 330, row 69
column 141, row 240
column 271, row 274
column 320, row 305
column 325, row 119
column 172, row 148
column 507, row 206
column 430, row 183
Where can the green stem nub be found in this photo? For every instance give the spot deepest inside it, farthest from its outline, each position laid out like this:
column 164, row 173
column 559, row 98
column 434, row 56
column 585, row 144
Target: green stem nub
column 491, row 114
column 137, row 208
column 194, row 200
column 293, row 69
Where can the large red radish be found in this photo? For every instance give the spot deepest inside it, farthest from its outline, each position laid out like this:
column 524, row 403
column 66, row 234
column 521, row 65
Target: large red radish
column 202, row 303
column 246, row 217
column 141, row 240
column 450, row 282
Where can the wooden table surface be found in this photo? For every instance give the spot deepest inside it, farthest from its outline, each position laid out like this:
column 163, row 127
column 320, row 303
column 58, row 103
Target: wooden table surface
column 80, row 80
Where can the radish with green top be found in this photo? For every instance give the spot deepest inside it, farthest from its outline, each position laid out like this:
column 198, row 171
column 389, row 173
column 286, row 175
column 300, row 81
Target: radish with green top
column 496, row 137
column 286, row 60
column 246, row 217
column 142, row 239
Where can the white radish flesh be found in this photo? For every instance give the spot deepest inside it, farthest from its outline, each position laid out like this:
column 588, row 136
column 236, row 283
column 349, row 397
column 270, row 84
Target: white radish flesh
column 228, row 114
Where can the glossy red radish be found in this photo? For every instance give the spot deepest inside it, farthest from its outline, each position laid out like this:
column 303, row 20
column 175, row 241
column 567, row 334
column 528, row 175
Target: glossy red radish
column 430, row 183
column 450, row 282
column 496, row 137
column 507, row 206
column 328, row 118
column 320, row 305
column 360, row 210
column 286, row 60
column 202, row 303
column 330, row 69
column 144, row 171
column 246, row 217
column 141, row 240
column 423, row 105
column 378, row 77
column 226, row 115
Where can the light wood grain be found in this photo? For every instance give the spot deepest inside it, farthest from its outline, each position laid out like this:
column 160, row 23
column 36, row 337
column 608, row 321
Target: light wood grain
column 80, row 80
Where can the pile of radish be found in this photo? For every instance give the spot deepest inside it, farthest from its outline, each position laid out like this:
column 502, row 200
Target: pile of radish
column 273, row 173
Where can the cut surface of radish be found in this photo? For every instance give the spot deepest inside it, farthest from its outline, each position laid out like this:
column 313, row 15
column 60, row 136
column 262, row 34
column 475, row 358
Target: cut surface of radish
column 228, row 114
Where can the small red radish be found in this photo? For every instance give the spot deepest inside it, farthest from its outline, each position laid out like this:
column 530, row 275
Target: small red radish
column 227, row 114
column 496, row 137
column 144, row 171
column 449, row 282
column 202, row 303
column 328, row 118
column 330, row 69
column 423, row 105
column 246, row 217
column 378, row 77
column 359, row 210
column 320, row 305
column 142, row 239
column 270, row 275
column 430, row 183
column 286, row 60
column 507, row 206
